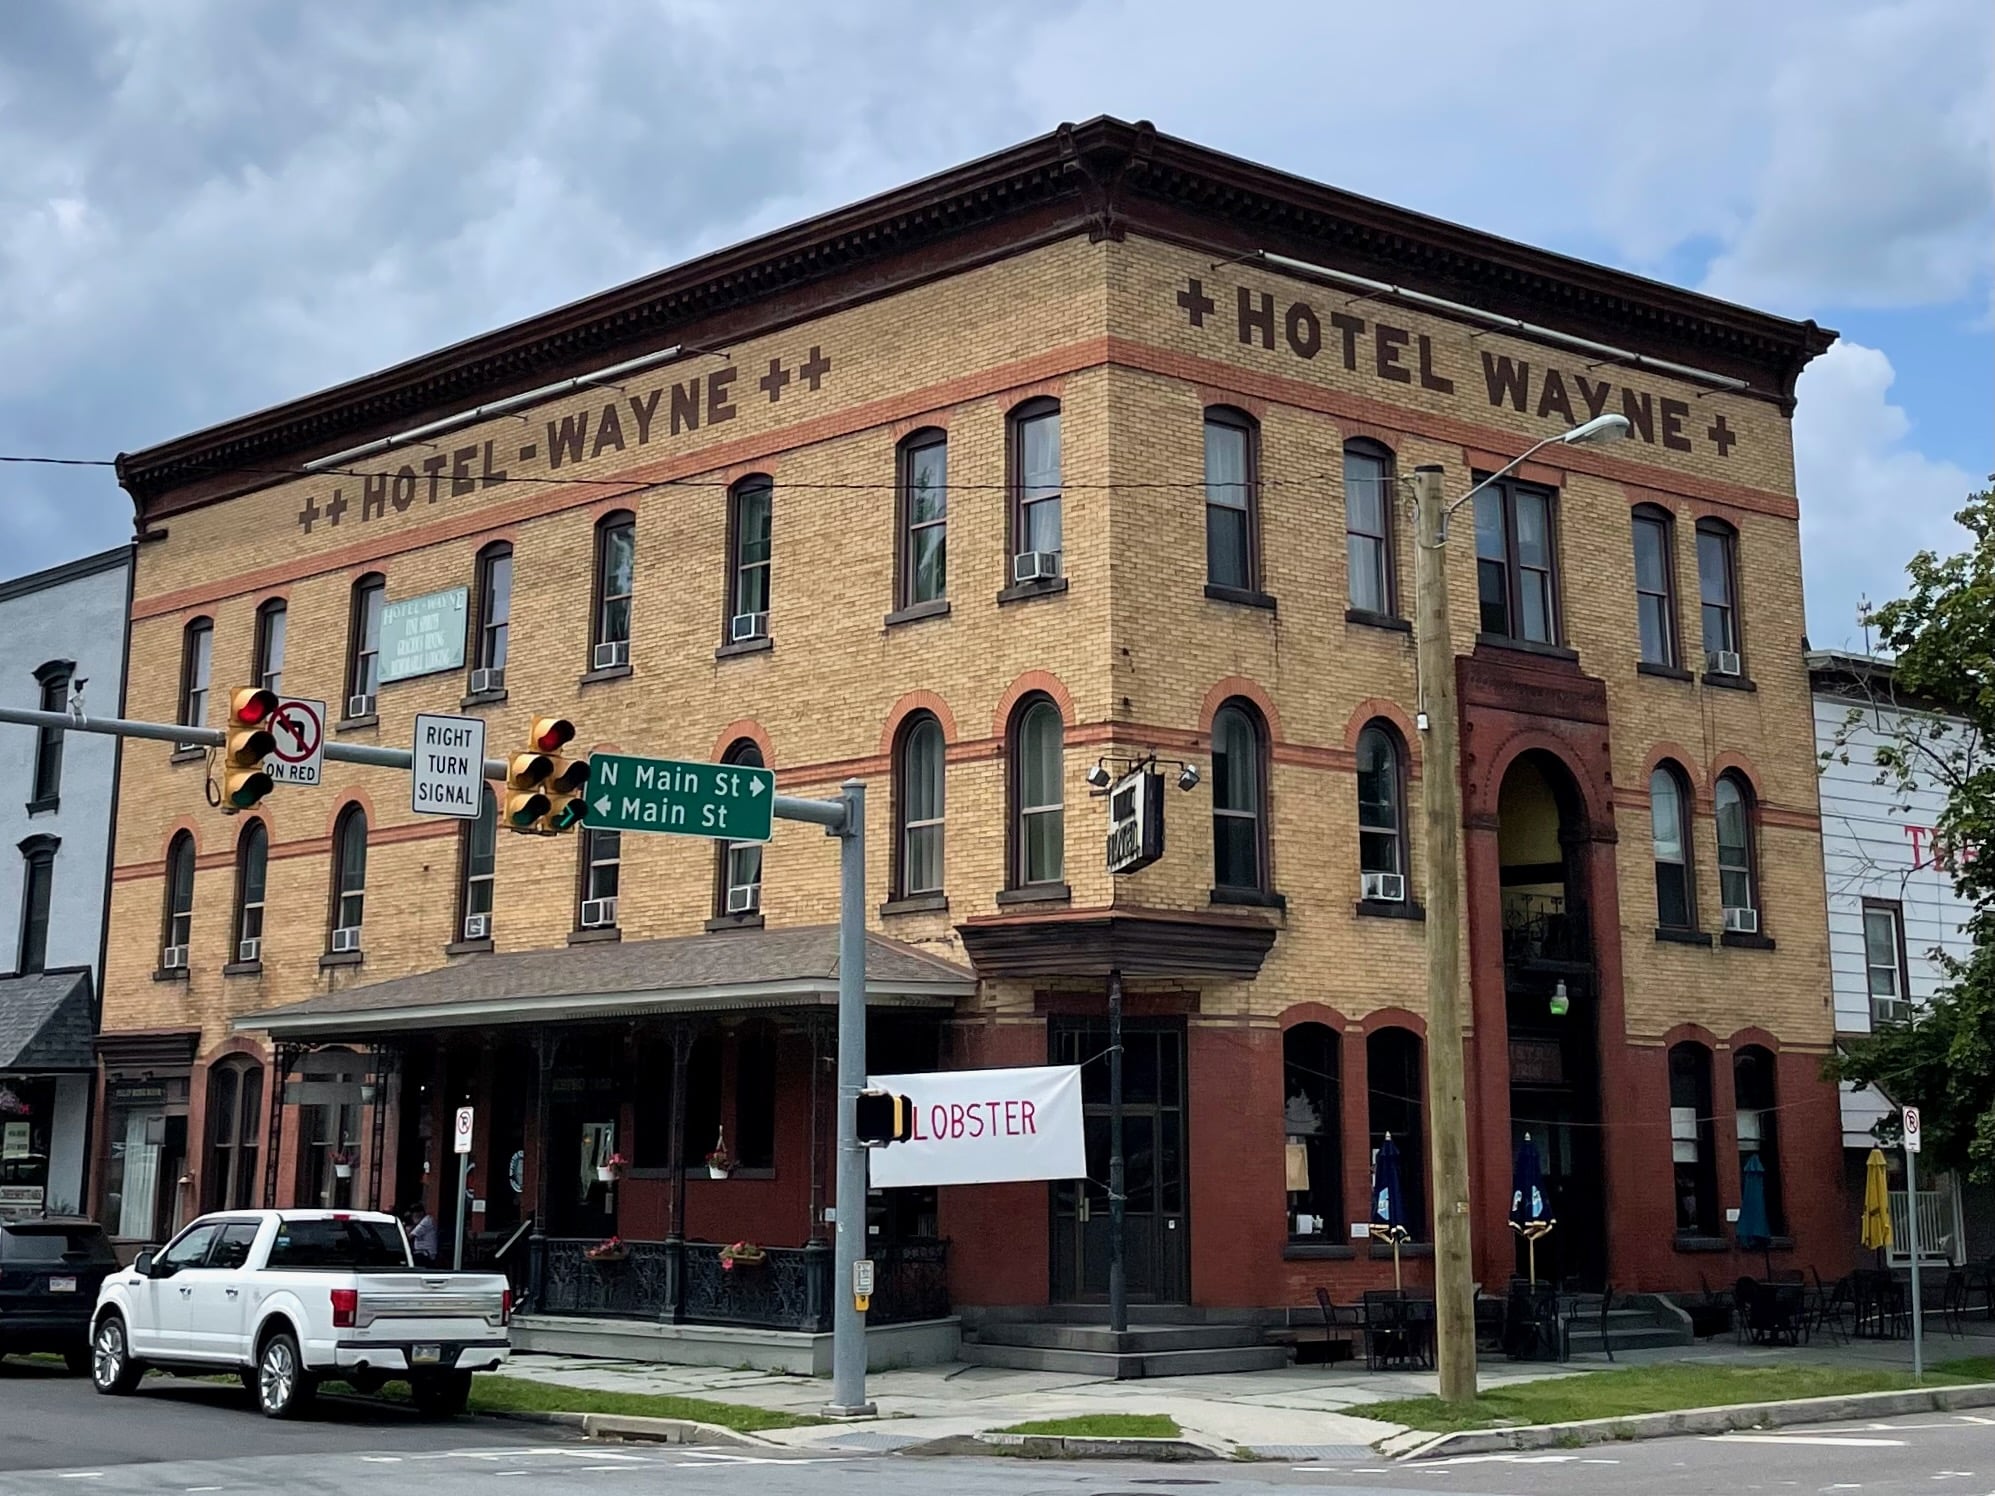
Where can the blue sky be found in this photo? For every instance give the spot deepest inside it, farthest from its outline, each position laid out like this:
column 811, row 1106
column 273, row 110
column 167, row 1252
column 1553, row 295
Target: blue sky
column 217, row 205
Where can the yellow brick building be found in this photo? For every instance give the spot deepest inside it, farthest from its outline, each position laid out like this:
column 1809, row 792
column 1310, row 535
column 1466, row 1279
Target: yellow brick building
column 1151, row 407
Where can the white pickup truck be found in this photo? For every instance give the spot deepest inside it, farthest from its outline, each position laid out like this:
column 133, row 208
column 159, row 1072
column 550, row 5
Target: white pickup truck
column 288, row 1298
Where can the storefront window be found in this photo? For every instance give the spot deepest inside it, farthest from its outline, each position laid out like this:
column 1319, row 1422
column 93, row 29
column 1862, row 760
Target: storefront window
column 145, row 1157
column 26, row 1109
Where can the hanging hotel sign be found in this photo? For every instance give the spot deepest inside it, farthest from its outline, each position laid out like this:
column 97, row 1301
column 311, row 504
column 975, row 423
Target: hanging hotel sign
column 423, row 635
column 1135, row 821
column 985, row 1127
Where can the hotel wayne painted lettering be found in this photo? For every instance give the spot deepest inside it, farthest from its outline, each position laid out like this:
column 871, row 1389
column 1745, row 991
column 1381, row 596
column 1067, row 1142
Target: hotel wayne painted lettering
column 635, row 419
column 1399, row 355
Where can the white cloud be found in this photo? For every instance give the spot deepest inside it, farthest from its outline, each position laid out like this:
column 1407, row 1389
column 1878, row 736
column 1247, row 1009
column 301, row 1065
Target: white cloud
column 1870, row 501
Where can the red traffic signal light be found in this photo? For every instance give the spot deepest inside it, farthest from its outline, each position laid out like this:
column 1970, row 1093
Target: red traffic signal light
column 552, row 733
column 251, row 706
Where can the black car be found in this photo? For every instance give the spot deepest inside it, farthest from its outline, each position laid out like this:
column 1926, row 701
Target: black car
column 50, row 1270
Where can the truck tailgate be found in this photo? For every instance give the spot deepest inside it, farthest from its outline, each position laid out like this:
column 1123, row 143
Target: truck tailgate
column 429, row 1306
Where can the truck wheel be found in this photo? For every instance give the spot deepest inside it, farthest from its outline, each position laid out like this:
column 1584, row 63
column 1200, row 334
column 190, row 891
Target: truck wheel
column 445, row 1394
column 112, row 1370
column 283, row 1387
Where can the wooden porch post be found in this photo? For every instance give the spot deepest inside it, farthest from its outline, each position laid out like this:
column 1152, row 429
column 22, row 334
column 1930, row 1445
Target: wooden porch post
column 544, row 1047
column 675, row 1234
column 818, row 1024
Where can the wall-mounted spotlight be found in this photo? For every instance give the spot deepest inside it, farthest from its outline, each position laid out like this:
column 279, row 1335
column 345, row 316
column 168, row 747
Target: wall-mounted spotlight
column 1099, row 777
column 1188, row 777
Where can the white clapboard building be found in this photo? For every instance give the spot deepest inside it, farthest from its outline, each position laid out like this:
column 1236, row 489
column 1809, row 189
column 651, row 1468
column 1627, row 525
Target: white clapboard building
column 1892, row 906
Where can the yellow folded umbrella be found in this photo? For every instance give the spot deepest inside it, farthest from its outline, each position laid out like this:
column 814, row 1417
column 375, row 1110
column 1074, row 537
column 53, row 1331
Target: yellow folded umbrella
column 1876, row 1203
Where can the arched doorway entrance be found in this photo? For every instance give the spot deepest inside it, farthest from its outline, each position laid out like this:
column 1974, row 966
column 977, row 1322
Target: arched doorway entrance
column 1551, row 1004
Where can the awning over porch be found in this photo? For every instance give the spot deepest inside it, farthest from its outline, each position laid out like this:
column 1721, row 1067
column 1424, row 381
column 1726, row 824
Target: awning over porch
column 45, row 1022
column 728, row 971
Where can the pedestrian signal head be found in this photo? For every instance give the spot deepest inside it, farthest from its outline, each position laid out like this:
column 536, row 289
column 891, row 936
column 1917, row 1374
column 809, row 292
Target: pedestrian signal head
column 883, row 1118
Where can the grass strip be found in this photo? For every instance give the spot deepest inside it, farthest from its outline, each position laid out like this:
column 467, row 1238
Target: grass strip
column 1663, row 1388
column 1103, row 1426
column 500, row 1394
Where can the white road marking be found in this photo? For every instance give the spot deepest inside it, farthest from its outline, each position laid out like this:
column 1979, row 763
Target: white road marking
column 1832, row 1442
column 1600, row 1462
column 78, row 1474
column 366, row 1459
column 1507, row 1459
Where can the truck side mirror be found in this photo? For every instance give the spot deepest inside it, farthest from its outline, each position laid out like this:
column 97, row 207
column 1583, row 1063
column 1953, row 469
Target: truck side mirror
column 142, row 1264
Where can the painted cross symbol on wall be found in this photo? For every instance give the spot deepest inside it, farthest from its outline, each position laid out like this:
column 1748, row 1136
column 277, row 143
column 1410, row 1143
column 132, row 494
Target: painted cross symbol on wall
column 309, row 514
column 1195, row 302
column 775, row 379
column 815, row 367
column 1722, row 435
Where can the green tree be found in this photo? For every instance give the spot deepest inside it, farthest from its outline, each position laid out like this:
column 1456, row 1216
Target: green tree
column 1935, row 711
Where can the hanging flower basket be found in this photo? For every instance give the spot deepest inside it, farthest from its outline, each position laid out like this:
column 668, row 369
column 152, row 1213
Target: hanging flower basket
column 742, row 1254
column 616, row 1249
column 611, row 1169
column 720, row 1163
column 342, row 1165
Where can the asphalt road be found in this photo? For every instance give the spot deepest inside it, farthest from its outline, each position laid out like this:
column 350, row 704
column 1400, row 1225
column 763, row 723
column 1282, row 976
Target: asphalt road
column 196, row 1439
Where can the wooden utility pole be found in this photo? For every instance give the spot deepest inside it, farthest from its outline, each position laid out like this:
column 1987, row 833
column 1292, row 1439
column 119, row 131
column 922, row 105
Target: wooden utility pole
column 1441, row 804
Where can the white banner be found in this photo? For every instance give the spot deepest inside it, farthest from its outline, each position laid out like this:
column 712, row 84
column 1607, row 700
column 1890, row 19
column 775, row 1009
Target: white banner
column 985, row 1127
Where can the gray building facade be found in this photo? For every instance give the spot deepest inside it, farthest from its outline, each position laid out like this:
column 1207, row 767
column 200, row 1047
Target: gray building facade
column 65, row 629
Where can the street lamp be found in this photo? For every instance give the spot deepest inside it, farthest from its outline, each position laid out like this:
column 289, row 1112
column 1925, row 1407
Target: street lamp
column 1441, row 804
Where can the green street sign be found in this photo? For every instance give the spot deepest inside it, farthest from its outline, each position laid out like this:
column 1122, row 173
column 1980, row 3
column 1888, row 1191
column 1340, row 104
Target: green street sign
column 724, row 801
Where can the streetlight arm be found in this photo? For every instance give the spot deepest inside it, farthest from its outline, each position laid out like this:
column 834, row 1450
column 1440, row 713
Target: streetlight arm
column 1600, row 428
column 1503, row 472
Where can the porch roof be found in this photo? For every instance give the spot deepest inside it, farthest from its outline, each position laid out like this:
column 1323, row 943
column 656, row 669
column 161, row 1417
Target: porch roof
column 728, row 970
column 46, row 1021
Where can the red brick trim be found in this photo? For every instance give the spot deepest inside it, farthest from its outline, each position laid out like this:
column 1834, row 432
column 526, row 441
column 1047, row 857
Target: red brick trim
column 1753, row 1034
column 1388, row 437
column 1247, row 690
column 1384, row 1018
column 346, row 798
column 1741, row 764
column 1695, row 1033
column 1489, row 783
column 1024, row 686
column 907, row 706
column 749, row 728
column 1209, row 397
column 1375, row 707
column 1049, row 387
column 1530, row 472
column 235, row 1044
column 1313, row 1012
column 901, row 429
column 1677, row 754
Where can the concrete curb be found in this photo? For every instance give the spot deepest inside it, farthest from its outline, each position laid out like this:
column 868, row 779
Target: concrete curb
column 1064, row 1447
column 1860, row 1405
column 636, row 1429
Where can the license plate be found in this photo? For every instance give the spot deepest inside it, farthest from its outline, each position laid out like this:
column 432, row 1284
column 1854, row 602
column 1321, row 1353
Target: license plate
column 426, row 1355
column 62, row 1285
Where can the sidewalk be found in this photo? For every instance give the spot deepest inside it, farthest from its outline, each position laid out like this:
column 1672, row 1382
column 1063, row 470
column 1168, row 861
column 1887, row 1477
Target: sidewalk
column 1304, row 1412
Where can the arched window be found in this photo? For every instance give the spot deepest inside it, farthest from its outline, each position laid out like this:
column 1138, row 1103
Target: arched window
column 37, row 886
column 1395, row 1071
column 923, row 570
column 1035, row 489
column 54, row 678
column 1368, row 491
column 252, row 864
column 1718, row 593
column 602, row 878
column 1239, row 777
column 1738, row 877
column 1756, row 1105
column 233, row 1126
column 1038, row 794
column 363, row 644
column 616, row 582
column 197, row 658
column 1655, row 584
column 1232, row 528
column 269, row 663
column 349, row 879
column 1311, row 1116
column 738, row 881
column 480, row 859
column 177, row 920
column 1382, row 859
column 495, row 618
column 1691, row 1141
column 750, row 524
column 918, row 800
column 1669, row 823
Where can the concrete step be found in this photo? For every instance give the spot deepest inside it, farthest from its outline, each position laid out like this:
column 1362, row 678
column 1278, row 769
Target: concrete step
column 1136, row 1340
column 1652, row 1338
column 1131, row 1366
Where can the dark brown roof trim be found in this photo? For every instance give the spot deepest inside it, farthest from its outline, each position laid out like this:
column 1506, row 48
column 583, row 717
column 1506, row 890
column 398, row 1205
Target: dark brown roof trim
column 1103, row 178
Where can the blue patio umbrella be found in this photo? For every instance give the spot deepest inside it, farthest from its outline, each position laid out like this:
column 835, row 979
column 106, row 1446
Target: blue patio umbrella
column 1753, row 1229
column 1530, row 1212
column 1388, row 1204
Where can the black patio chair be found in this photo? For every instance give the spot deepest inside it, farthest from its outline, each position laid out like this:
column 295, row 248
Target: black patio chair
column 1953, row 1301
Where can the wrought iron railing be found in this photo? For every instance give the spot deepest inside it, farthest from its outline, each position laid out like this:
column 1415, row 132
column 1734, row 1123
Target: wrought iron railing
column 790, row 1289
column 1542, row 930
column 635, row 1286
column 910, row 1282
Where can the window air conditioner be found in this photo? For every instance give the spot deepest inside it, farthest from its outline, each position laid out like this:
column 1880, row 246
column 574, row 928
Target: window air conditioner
column 173, row 958
column 477, row 926
column 1741, row 921
column 744, row 898
column 346, row 938
column 743, row 626
column 1035, row 566
column 1723, row 662
column 359, row 706
column 1386, row 888
column 250, row 949
column 488, row 680
column 609, row 656
column 1885, row 1010
column 599, row 914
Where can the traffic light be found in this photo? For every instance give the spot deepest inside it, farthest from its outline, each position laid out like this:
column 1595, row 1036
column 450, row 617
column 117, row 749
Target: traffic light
column 542, row 789
column 883, row 1118
column 250, row 742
